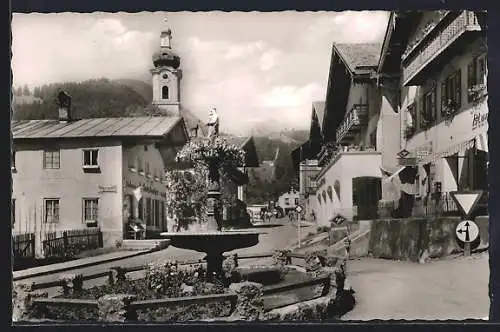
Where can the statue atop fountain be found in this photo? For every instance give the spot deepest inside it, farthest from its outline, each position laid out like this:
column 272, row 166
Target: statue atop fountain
column 213, row 123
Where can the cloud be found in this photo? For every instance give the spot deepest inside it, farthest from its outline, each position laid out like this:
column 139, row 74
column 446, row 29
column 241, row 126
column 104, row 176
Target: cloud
column 269, row 58
column 291, row 96
column 244, row 50
column 48, row 49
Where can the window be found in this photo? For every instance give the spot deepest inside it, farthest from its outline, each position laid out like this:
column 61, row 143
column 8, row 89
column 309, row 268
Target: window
column 476, row 75
column 13, row 212
column 90, row 210
column 140, row 166
column 287, row 201
column 90, row 158
column 157, row 213
column 51, row 210
column 451, row 92
column 162, row 214
column 51, row 159
column 164, row 92
column 412, row 112
column 428, row 108
column 149, row 214
column 140, row 209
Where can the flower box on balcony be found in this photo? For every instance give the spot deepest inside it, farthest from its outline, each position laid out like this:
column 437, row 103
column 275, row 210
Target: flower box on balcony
column 477, row 93
column 449, row 109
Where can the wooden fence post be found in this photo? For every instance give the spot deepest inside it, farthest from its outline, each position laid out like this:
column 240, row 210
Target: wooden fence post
column 32, row 245
column 99, row 234
column 65, row 240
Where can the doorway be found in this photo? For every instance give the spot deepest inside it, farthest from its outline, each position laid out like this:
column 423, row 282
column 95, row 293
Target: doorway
column 366, row 193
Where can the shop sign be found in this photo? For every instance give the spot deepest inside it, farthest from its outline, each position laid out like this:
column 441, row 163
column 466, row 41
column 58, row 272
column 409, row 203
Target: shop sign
column 423, row 152
column 479, row 119
column 107, row 189
column 146, row 188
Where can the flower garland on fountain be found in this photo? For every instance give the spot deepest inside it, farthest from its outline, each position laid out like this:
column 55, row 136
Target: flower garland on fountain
column 213, row 155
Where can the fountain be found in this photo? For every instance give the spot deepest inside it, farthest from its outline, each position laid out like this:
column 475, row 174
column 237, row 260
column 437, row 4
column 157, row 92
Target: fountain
column 214, row 242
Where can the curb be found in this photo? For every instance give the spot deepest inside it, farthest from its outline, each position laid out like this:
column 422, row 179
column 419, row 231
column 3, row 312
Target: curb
column 73, row 267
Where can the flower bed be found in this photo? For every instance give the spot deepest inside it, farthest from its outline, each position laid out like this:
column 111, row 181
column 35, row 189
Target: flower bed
column 161, row 281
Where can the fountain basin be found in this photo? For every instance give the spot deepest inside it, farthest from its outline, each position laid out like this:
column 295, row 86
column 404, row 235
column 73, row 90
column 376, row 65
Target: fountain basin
column 218, row 242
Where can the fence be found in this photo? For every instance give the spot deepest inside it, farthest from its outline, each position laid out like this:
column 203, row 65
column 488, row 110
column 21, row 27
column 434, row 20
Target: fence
column 24, row 246
column 133, row 305
column 71, row 242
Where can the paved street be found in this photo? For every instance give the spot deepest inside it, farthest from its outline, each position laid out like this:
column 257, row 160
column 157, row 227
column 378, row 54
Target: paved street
column 453, row 288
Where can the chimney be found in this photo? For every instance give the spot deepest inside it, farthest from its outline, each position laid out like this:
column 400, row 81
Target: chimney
column 64, row 103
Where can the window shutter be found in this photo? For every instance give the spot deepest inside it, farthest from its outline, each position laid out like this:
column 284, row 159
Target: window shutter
column 443, row 95
column 458, row 89
column 471, row 79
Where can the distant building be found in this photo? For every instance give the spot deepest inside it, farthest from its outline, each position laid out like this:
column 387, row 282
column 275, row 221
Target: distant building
column 289, row 201
column 240, row 178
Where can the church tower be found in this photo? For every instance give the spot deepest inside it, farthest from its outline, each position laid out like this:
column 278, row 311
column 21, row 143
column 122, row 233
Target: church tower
column 166, row 76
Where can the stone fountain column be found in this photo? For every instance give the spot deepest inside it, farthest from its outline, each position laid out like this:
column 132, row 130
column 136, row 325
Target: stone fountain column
column 214, row 200
column 214, row 256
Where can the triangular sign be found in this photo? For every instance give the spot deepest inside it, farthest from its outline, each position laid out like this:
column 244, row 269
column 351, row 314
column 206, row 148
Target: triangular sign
column 466, row 200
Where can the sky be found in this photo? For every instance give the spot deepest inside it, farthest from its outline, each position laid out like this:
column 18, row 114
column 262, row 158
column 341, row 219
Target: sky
column 257, row 69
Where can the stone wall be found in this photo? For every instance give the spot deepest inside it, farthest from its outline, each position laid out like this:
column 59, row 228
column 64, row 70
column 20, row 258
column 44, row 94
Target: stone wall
column 408, row 239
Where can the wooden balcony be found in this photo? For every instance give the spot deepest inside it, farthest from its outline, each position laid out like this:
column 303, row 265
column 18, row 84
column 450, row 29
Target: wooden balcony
column 436, row 47
column 326, row 153
column 355, row 119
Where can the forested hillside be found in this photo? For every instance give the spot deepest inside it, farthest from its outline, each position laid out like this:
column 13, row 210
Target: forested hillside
column 128, row 97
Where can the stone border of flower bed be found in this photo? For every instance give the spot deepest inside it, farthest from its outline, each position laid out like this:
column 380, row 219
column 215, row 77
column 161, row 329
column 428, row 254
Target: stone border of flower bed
column 245, row 298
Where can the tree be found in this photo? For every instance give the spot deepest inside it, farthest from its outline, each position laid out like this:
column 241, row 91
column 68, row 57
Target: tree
column 26, row 90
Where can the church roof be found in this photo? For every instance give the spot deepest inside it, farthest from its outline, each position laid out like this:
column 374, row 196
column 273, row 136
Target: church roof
column 152, row 126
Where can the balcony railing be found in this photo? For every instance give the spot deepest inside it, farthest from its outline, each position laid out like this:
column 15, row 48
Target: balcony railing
column 326, row 153
column 354, row 120
column 429, row 47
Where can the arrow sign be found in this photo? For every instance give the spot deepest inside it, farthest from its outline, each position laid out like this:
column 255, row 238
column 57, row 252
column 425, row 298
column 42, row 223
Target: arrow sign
column 466, row 200
column 298, row 208
column 467, row 231
column 403, row 153
column 339, row 219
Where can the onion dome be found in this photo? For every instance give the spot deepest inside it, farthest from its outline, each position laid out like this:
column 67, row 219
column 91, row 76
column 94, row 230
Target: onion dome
column 166, row 56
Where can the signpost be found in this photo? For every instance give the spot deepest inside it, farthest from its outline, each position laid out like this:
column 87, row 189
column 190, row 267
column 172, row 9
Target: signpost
column 467, row 231
column 299, row 209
